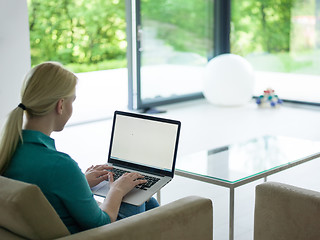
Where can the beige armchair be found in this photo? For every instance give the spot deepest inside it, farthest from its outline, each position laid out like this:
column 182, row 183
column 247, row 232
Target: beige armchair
column 284, row 212
column 25, row 213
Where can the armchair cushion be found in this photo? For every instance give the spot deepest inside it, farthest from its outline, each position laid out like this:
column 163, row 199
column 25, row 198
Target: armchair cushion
column 188, row 218
column 26, row 212
column 286, row 212
column 5, row 234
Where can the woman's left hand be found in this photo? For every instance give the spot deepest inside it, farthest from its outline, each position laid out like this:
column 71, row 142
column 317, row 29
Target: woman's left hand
column 97, row 174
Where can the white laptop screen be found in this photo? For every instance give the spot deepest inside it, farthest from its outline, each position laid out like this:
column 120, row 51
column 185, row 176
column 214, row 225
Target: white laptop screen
column 144, row 141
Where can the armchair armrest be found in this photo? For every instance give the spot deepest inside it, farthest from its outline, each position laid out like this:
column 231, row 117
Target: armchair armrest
column 286, row 212
column 188, row 218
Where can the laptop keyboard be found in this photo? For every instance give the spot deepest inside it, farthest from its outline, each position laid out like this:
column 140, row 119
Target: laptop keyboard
column 150, row 180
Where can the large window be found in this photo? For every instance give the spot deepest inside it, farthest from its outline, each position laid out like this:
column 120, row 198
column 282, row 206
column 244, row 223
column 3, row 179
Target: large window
column 281, row 39
column 89, row 38
column 169, row 45
column 174, row 43
column 83, row 35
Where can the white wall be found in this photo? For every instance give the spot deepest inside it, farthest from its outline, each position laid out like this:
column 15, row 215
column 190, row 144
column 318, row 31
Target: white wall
column 14, row 53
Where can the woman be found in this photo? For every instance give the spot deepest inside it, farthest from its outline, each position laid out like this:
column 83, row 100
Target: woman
column 29, row 154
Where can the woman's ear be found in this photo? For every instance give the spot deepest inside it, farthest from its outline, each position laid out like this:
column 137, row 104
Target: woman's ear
column 59, row 107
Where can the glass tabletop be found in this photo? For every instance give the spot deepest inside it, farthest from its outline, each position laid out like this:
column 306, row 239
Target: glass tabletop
column 242, row 160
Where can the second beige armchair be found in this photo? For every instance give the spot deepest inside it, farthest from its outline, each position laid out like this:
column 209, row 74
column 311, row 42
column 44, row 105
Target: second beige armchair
column 285, row 212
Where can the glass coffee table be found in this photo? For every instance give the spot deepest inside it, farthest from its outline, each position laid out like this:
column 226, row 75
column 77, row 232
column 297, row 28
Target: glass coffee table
column 241, row 163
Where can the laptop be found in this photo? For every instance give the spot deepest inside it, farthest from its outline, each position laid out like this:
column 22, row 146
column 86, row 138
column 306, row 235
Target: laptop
column 144, row 144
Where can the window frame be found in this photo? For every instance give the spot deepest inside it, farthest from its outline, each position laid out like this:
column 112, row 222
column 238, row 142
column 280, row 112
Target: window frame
column 221, row 37
column 221, row 42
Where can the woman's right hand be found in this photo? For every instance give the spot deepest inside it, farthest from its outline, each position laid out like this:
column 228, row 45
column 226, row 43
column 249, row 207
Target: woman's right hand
column 118, row 189
column 126, row 182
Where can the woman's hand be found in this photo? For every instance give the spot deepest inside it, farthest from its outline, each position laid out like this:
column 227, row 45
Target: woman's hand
column 118, row 189
column 97, row 174
column 126, row 182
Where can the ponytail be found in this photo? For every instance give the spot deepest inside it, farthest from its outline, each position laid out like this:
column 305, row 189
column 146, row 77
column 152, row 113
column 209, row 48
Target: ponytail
column 11, row 135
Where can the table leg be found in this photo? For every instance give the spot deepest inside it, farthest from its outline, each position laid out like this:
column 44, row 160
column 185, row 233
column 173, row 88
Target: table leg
column 231, row 215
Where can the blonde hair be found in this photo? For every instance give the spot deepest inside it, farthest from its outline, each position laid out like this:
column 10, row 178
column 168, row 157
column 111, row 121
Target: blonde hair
column 43, row 87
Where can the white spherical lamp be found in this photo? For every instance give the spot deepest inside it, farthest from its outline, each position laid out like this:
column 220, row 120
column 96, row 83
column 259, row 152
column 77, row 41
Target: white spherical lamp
column 228, row 80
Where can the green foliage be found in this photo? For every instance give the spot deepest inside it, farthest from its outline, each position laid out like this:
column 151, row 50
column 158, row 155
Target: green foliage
column 189, row 15
column 277, row 35
column 185, row 25
column 77, row 32
column 90, row 35
column 261, row 26
column 103, row 65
